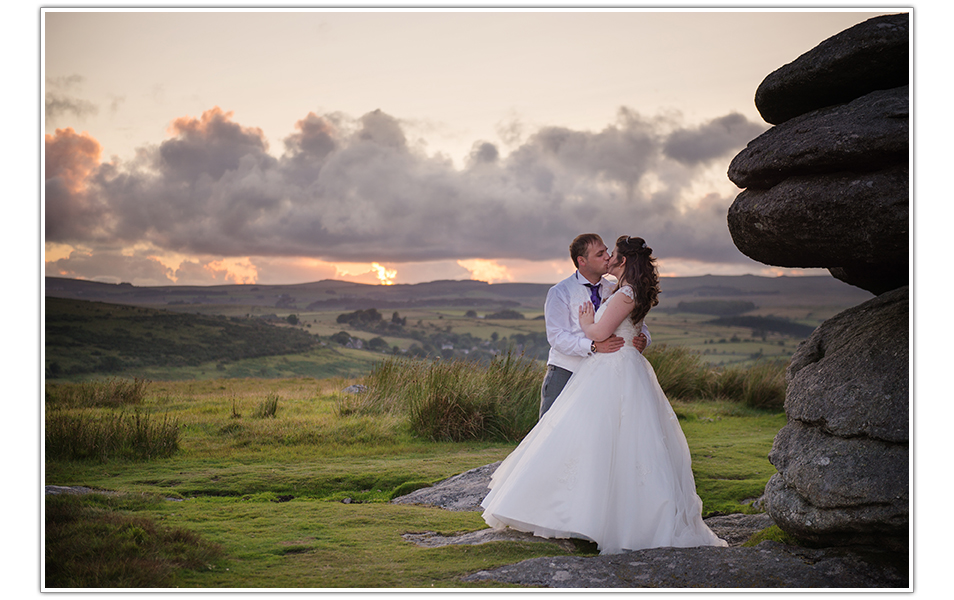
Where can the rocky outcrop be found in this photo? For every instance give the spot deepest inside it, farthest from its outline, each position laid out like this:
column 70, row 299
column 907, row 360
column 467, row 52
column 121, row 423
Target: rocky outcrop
column 867, row 134
column 869, row 56
column 790, row 224
column 828, row 187
column 851, row 377
column 770, row 565
column 842, row 459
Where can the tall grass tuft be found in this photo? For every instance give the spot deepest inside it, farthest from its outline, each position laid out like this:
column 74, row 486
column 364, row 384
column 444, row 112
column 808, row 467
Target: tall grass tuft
column 84, row 436
column 459, row 400
column 759, row 386
column 385, row 393
column 681, row 374
column 454, row 400
column 268, row 408
column 109, row 393
column 684, row 376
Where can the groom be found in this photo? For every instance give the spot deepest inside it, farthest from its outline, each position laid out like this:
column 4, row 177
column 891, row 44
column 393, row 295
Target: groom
column 568, row 345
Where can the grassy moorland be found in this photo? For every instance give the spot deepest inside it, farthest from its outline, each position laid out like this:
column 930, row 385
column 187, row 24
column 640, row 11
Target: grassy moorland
column 285, row 483
column 218, row 418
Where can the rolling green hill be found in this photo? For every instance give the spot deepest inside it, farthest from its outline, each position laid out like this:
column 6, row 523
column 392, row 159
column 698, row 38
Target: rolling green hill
column 87, row 337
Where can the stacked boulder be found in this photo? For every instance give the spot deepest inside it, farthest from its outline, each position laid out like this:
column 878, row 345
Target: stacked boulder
column 827, row 187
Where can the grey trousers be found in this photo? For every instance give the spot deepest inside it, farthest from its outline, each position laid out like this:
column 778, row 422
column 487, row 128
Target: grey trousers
column 553, row 383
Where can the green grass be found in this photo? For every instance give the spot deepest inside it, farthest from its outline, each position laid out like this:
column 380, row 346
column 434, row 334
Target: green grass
column 109, row 393
column 773, row 533
column 100, row 541
column 106, row 436
column 729, row 444
column 454, row 400
column 268, row 491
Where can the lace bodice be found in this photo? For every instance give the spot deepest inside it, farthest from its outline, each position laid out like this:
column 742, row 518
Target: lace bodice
column 626, row 330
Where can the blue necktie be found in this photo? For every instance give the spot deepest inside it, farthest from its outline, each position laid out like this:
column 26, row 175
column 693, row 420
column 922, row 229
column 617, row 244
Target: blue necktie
column 594, row 294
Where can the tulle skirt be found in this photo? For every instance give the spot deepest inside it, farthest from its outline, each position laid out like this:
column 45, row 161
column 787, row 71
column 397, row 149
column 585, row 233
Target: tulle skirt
column 607, row 463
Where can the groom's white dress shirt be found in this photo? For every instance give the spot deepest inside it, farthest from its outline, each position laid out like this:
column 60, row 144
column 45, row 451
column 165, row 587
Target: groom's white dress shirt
column 568, row 344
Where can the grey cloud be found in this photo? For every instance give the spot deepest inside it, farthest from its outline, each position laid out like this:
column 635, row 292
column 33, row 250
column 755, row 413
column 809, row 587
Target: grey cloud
column 511, row 131
column 483, row 153
column 382, row 129
column 145, row 270
column 716, row 139
column 117, row 101
column 60, row 104
column 354, row 190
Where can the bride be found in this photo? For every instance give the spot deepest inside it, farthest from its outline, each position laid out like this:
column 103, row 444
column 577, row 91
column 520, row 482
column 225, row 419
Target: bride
column 608, row 462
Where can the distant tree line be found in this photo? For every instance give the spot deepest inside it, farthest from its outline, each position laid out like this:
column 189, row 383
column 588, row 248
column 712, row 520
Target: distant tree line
column 443, row 343
column 719, row 308
column 765, row 324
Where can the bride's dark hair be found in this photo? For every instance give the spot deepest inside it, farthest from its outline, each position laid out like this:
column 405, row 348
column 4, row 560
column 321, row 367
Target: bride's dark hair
column 640, row 272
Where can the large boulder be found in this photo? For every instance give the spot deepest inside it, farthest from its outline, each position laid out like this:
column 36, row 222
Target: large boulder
column 872, row 55
column 852, row 374
column 801, row 221
column 866, row 134
column 871, row 277
column 843, row 457
column 828, row 187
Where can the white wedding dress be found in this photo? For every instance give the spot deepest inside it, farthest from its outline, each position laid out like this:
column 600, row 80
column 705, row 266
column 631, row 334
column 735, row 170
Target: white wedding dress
column 607, row 463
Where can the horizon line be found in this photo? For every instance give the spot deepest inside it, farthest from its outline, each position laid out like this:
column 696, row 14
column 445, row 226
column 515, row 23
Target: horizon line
column 383, row 285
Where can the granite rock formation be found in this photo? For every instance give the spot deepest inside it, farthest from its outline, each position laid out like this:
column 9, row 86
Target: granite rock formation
column 827, row 187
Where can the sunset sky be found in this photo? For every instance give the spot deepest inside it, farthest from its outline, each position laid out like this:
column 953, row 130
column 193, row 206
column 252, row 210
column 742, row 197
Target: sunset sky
column 186, row 147
column 202, row 148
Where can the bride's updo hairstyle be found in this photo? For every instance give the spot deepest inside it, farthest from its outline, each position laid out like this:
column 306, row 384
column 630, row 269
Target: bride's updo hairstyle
column 640, row 272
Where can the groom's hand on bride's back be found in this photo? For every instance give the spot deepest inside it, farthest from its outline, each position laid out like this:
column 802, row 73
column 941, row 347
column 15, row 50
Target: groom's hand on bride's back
column 640, row 342
column 610, row 344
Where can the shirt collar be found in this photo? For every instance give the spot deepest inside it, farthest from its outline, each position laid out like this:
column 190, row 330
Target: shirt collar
column 582, row 280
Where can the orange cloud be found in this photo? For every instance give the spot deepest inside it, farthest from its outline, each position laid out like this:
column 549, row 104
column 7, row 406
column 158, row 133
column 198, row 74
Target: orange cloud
column 227, row 270
column 385, row 276
column 71, row 157
column 486, row 270
column 371, row 273
column 208, row 123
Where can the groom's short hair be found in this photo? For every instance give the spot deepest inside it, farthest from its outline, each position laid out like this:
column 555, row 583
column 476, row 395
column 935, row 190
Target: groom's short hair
column 580, row 244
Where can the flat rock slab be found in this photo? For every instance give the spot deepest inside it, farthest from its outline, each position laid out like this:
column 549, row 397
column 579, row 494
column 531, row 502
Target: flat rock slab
column 769, row 565
column 430, row 539
column 460, row 492
column 76, row 490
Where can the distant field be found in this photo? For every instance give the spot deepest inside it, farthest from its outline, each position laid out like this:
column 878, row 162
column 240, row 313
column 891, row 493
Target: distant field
column 435, row 322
